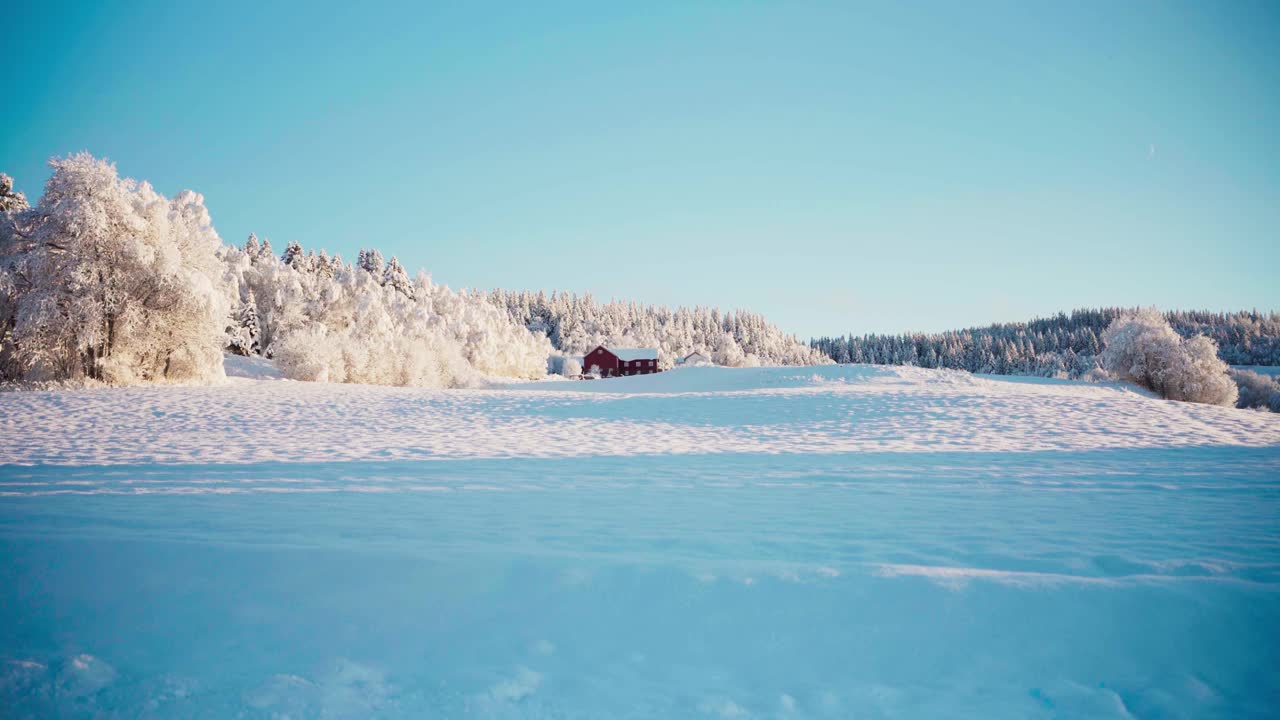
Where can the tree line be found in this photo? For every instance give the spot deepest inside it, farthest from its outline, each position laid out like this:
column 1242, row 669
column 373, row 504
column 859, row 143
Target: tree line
column 106, row 280
column 575, row 324
column 1065, row 345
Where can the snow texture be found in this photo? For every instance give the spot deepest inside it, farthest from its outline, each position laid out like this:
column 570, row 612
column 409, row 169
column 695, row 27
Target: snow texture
column 828, row 542
column 630, row 354
column 829, row 409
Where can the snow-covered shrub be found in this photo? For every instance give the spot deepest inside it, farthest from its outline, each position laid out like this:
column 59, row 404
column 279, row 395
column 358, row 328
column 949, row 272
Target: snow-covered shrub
column 571, row 368
column 106, row 279
column 1143, row 348
column 1257, row 390
column 309, row 353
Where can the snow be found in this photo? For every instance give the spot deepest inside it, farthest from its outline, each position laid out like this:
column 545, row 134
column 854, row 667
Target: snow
column 632, row 354
column 826, row 542
column 250, row 368
column 816, row 410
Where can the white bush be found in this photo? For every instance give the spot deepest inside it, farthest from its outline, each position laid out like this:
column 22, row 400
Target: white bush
column 309, row 353
column 1142, row 348
column 571, row 368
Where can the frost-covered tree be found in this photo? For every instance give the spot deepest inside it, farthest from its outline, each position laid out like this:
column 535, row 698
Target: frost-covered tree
column 10, row 200
column 1257, row 390
column 397, row 279
column 371, row 262
column 293, row 255
column 14, row 241
column 251, row 246
column 1143, row 348
column 108, row 280
column 266, row 251
column 326, row 321
column 323, row 265
column 243, row 336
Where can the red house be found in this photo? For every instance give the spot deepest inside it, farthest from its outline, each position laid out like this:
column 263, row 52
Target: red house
column 620, row 361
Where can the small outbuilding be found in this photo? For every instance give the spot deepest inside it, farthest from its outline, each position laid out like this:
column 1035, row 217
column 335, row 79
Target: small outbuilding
column 620, row 361
column 694, row 358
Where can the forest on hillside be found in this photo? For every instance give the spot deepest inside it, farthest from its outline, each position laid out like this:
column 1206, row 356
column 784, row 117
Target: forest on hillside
column 1065, row 345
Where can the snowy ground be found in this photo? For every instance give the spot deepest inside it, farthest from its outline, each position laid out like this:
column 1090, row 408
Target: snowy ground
column 826, row 542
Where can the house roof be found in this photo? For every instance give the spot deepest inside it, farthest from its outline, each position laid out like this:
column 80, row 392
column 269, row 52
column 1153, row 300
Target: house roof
column 630, row 354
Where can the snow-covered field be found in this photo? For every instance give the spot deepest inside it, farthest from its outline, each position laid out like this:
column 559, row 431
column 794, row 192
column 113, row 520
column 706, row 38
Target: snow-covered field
column 832, row 542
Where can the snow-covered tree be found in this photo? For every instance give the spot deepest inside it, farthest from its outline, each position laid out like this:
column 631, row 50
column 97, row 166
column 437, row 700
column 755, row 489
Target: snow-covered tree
column 243, row 336
column 371, row 262
column 1143, row 348
column 251, row 246
column 293, row 255
column 10, row 200
column 397, row 279
column 323, row 265
column 106, row 279
column 324, row 320
column 1256, row 390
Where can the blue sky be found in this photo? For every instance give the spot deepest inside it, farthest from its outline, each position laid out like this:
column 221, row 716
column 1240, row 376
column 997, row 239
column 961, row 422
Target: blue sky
column 839, row 167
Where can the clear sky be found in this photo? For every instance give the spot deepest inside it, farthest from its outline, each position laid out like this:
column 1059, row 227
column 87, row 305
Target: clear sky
column 839, row 167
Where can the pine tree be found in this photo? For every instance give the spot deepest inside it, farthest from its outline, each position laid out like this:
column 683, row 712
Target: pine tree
column 244, row 339
column 396, row 278
column 293, row 255
column 371, row 262
column 323, row 266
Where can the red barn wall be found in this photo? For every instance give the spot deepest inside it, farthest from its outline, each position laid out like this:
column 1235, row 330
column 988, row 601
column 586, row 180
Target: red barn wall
column 603, row 359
